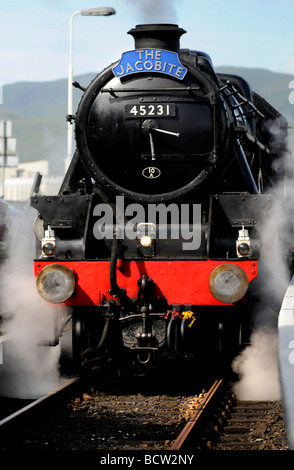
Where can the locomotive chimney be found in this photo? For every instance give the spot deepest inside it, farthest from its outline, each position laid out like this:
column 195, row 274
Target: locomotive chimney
column 157, row 36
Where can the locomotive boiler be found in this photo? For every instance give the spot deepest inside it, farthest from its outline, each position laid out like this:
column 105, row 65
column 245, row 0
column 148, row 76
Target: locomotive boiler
column 153, row 241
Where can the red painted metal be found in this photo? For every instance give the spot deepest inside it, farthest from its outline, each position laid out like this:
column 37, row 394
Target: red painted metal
column 180, row 282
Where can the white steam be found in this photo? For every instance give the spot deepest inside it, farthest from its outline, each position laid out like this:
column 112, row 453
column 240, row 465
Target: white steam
column 29, row 370
column 257, row 365
column 154, row 11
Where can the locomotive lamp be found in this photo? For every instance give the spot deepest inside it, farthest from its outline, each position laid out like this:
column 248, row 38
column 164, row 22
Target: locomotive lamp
column 243, row 245
column 228, row 283
column 49, row 243
column 55, row 283
column 145, row 239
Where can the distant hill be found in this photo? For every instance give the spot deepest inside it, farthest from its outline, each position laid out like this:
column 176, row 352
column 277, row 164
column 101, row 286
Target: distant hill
column 38, row 109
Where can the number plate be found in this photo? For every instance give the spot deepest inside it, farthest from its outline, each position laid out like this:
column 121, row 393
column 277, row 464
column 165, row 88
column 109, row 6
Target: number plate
column 149, row 110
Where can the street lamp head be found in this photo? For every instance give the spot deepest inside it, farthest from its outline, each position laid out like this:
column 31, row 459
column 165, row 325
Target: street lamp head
column 102, row 11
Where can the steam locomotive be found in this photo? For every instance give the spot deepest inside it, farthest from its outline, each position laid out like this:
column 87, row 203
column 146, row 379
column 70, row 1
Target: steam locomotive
column 153, row 241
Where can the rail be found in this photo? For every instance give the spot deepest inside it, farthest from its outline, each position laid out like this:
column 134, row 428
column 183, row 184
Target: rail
column 286, row 359
column 26, row 411
column 187, row 431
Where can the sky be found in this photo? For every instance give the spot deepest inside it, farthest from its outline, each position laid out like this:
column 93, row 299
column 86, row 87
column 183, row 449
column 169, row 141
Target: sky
column 34, row 34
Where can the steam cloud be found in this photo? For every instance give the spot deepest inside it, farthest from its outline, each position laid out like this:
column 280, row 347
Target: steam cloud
column 29, row 370
column 258, row 368
column 154, row 11
column 257, row 365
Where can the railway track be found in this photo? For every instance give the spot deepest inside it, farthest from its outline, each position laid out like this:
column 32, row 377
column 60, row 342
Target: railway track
column 247, row 425
column 187, row 433
column 24, row 415
column 119, row 415
column 122, row 416
column 221, row 422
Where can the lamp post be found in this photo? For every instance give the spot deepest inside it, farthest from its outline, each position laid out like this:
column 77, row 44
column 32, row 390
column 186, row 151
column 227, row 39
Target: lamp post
column 103, row 11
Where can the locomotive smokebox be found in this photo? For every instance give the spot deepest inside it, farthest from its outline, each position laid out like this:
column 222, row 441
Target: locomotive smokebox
column 157, row 36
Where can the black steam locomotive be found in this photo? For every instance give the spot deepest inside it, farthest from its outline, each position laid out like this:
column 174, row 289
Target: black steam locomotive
column 154, row 238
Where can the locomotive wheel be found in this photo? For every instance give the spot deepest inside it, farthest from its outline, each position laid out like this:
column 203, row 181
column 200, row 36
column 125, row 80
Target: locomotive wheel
column 79, row 337
column 72, row 342
column 227, row 340
column 94, row 337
